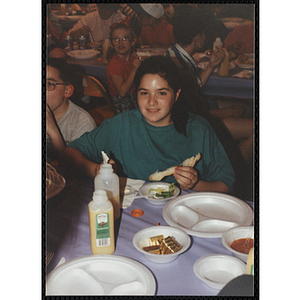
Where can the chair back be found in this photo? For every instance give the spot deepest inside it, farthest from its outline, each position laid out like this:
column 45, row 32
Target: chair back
column 94, row 88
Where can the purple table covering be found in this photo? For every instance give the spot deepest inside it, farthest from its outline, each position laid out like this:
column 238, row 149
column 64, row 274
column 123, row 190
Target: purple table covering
column 216, row 86
column 230, row 86
column 67, row 234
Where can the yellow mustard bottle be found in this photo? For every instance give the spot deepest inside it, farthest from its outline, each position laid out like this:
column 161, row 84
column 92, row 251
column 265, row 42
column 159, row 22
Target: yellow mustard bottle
column 250, row 262
column 101, row 219
column 224, row 66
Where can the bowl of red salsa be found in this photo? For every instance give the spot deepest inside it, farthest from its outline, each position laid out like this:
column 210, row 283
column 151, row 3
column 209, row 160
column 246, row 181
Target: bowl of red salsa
column 239, row 240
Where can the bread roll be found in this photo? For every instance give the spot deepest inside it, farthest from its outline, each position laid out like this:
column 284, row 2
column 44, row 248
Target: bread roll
column 189, row 162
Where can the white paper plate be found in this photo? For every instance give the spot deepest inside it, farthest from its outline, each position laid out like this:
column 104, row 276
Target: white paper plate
column 147, row 52
column 246, row 66
column 55, row 187
column 101, row 275
column 203, row 65
column 83, row 54
column 217, row 270
column 144, row 191
column 207, row 215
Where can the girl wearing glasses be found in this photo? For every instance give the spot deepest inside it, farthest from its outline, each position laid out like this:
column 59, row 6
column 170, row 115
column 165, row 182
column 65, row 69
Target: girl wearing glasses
column 122, row 67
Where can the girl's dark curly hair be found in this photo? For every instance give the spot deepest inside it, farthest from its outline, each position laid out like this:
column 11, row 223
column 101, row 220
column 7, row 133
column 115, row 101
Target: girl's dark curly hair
column 167, row 69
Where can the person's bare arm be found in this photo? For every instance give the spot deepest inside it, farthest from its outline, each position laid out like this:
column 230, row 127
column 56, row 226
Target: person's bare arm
column 74, row 161
column 123, row 86
column 216, row 58
column 54, row 32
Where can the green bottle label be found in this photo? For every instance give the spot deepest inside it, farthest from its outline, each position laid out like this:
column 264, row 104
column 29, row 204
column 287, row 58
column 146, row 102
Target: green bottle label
column 102, row 230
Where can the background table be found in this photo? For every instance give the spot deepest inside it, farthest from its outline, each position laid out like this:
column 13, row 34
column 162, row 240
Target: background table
column 67, row 234
column 233, row 87
column 93, row 66
column 230, row 86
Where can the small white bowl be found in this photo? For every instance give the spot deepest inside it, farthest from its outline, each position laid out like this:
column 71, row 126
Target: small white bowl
column 144, row 191
column 140, row 240
column 235, row 233
column 216, row 270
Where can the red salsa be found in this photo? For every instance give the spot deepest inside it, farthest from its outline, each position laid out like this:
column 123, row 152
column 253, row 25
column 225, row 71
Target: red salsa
column 242, row 245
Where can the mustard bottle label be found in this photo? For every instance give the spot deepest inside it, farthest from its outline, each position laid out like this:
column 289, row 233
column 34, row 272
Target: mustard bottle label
column 102, row 230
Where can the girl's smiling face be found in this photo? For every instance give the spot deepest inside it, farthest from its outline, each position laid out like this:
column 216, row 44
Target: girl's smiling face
column 155, row 99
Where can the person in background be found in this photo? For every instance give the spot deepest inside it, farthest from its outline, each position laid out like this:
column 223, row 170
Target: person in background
column 97, row 22
column 91, row 7
column 156, row 32
column 240, row 40
column 55, row 29
column 169, row 11
column 161, row 133
column 213, row 26
column 65, row 121
column 135, row 23
column 55, row 36
column 189, row 35
column 122, row 68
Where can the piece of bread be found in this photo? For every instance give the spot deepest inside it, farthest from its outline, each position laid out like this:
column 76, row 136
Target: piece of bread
column 189, row 162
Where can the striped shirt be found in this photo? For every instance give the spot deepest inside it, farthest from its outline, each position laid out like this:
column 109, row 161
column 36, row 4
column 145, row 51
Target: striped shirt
column 186, row 61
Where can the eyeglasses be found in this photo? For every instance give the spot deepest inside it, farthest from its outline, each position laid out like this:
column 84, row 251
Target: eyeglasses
column 124, row 39
column 52, row 85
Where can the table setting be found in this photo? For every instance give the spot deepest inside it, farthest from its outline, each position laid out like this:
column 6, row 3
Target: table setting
column 200, row 265
column 232, row 22
column 238, row 84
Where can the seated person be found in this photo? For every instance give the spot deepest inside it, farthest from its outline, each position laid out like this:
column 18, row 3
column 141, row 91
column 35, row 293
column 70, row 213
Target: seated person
column 240, row 40
column 65, row 121
column 169, row 11
column 189, row 35
column 97, row 22
column 55, row 29
column 213, row 26
column 160, row 133
column 122, row 68
column 156, row 32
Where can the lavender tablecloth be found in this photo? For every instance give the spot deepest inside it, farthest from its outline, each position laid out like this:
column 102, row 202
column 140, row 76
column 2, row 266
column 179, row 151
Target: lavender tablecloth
column 67, row 234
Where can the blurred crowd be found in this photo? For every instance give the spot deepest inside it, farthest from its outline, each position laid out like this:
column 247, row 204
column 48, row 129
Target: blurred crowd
column 183, row 30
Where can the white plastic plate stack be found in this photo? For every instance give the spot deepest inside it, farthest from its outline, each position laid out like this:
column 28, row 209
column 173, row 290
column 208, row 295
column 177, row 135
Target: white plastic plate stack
column 101, row 275
column 83, row 54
